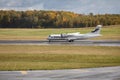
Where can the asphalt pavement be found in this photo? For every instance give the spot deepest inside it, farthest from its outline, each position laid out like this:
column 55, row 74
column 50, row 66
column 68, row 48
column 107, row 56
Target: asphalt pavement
column 104, row 73
column 77, row 43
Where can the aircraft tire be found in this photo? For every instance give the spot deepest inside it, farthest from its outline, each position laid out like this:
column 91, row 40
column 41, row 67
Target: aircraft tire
column 70, row 40
column 49, row 40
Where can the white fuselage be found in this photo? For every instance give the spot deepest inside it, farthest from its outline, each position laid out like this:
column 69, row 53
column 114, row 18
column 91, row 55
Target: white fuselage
column 72, row 36
column 76, row 36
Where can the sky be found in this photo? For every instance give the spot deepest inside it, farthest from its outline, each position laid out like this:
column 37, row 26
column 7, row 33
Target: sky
column 76, row 6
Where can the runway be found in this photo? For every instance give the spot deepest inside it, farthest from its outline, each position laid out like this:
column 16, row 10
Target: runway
column 105, row 73
column 75, row 43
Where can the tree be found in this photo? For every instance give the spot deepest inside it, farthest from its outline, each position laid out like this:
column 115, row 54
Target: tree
column 54, row 19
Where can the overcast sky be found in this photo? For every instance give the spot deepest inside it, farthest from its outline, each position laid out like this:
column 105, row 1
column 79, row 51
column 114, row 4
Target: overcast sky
column 77, row 6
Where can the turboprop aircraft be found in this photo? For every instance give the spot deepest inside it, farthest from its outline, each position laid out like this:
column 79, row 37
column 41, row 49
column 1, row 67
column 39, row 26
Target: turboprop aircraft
column 70, row 37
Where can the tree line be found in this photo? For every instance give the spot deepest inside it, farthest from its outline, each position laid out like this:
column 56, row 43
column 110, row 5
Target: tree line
column 54, row 19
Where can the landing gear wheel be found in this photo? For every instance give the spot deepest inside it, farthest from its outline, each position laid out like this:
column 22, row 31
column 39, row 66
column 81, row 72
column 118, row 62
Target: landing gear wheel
column 71, row 40
column 49, row 40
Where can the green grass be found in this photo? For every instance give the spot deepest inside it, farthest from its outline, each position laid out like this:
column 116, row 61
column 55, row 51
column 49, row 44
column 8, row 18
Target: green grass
column 55, row 61
column 108, row 32
column 54, row 49
column 28, row 57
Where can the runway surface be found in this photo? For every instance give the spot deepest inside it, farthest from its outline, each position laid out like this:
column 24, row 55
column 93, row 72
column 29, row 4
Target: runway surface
column 77, row 43
column 106, row 73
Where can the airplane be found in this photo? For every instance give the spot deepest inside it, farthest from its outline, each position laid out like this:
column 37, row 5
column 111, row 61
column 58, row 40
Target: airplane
column 70, row 37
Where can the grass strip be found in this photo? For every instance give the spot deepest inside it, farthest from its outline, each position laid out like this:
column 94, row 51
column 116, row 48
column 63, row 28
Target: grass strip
column 108, row 32
column 29, row 57
column 55, row 61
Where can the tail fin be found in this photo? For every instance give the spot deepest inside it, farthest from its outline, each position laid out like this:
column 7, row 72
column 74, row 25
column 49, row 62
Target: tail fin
column 97, row 29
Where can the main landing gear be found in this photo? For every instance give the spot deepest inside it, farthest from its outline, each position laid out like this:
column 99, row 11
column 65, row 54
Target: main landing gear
column 70, row 40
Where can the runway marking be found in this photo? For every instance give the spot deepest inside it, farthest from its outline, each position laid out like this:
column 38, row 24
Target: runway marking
column 24, row 72
column 81, row 70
